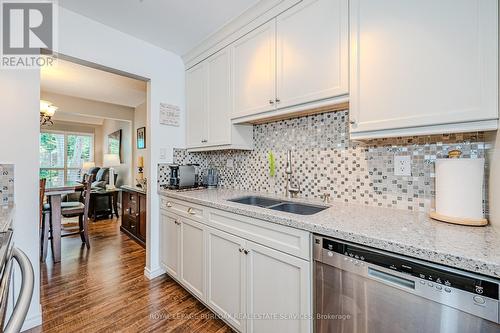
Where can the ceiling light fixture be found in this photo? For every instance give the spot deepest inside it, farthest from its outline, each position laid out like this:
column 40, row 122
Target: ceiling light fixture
column 47, row 111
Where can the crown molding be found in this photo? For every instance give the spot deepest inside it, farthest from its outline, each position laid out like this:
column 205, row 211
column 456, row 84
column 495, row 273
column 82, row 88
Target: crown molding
column 249, row 20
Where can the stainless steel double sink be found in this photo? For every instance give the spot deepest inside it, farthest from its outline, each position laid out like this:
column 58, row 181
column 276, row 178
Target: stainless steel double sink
column 280, row 205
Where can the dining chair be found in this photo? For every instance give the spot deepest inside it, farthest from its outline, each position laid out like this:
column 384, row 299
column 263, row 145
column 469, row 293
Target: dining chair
column 44, row 218
column 80, row 210
column 68, row 209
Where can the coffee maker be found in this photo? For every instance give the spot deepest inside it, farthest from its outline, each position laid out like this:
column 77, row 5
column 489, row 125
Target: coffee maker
column 182, row 176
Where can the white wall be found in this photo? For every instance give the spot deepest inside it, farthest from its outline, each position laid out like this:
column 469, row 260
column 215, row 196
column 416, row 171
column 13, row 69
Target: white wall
column 140, row 120
column 125, row 169
column 88, row 40
column 85, row 39
column 87, row 107
column 19, row 134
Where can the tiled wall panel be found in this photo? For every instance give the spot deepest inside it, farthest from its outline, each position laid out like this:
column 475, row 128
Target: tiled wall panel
column 325, row 160
column 6, row 184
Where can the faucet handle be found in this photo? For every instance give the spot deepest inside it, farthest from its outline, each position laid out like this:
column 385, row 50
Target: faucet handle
column 325, row 197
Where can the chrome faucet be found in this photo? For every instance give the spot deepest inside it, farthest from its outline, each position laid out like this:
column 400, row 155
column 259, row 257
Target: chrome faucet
column 290, row 191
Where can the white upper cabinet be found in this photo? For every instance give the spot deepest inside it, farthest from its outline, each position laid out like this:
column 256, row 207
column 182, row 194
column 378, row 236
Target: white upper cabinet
column 300, row 57
column 254, row 74
column 312, row 52
column 219, row 98
column 208, row 91
column 196, row 108
column 423, row 66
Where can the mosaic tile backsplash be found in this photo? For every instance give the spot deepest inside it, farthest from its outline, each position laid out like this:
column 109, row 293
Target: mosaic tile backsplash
column 326, row 161
column 6, row 184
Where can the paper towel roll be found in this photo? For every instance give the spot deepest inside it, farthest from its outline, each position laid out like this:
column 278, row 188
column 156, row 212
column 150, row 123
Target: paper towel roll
column 459, row 188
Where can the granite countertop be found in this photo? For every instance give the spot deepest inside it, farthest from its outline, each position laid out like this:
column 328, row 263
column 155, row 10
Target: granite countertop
column 475, row 249
column 6, row 217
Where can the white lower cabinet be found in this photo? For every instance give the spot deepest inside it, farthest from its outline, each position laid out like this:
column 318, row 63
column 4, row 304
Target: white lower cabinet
column 278, row 290
column 169, row 245
column 248, row 280
column 253, row 287
column 193, row 257
column 226, row 277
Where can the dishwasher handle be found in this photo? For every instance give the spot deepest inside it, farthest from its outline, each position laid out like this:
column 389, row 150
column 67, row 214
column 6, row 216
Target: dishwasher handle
column 391, row 279
column 22, row 306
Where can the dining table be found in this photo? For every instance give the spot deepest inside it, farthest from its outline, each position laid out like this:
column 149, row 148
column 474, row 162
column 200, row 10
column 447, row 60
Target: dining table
column 54, row 190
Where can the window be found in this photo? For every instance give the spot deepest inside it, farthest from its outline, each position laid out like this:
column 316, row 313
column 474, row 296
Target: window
column 62, row 155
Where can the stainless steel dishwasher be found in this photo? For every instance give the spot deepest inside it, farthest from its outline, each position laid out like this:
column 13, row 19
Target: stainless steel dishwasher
column 360, row 289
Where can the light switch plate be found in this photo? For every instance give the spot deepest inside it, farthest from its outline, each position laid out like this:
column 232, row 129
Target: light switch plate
column 163, row 153
column 402, row 165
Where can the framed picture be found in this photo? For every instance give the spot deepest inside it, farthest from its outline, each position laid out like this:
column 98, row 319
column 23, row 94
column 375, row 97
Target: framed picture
column 141, row 138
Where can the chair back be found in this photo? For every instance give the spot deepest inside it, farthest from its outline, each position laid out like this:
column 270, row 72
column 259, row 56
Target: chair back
column 43, row 184
column 87, row 188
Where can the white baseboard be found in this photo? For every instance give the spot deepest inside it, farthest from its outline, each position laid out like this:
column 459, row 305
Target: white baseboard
column 33, row 321
column 151, row 274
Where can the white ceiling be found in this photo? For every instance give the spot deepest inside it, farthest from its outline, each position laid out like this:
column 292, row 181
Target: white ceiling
column 174, row 25
column 67, row 78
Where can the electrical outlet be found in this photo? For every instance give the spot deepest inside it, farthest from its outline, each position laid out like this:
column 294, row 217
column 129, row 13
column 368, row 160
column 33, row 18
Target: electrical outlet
column 229, row 163
column 402, row 165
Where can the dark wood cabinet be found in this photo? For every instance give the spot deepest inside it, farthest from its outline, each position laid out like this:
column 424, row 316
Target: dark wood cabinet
column 134, row 214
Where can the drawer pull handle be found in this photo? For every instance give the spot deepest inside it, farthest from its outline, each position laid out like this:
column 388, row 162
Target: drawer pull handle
column 240, row 249
column 191, row 211
column 178, row 223
column 246, row 251
column 169, row 204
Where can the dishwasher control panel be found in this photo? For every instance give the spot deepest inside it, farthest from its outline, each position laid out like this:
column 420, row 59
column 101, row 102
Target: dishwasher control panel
column 434, row 277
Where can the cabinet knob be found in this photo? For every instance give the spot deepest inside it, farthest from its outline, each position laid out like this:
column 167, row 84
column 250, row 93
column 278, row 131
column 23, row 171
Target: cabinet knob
column 352, row 121
column 246, row 251
column 204, row 141
column 177, row 223
column 240, row 249
column 278, row 100
column 271, row 101
column 191, row 211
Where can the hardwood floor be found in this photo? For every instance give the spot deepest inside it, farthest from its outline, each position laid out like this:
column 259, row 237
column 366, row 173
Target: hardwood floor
column 104, row 290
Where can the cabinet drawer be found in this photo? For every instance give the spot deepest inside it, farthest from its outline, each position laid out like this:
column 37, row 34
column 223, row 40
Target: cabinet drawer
column 281, row 238
column 132, row 197
column 182, row 208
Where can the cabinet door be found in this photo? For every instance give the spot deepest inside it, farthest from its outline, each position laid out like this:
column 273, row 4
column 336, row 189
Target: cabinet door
column 312, row 52
column 277, row 283
column 254, row 71
column 141, row 220
column 196, row 106
column 125, row 210
column 170, row 244
column 219, row 98
column 193, row 257
column 422, row 63
column 225, row 276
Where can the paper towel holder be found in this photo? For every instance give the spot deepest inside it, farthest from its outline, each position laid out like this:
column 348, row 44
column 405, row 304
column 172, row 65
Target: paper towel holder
column 458, row 220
